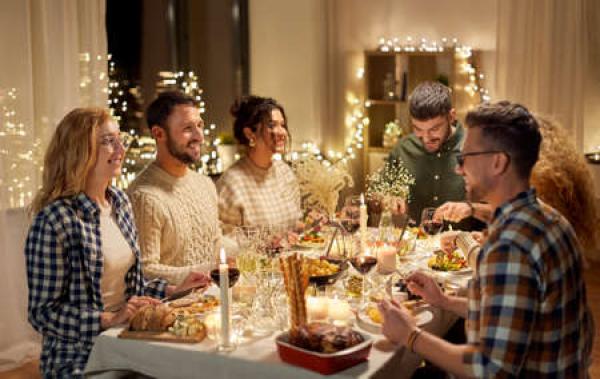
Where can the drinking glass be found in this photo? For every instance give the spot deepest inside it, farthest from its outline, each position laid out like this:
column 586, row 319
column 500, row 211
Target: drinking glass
column 248, row 239
column 363, row 264
column 431, row 225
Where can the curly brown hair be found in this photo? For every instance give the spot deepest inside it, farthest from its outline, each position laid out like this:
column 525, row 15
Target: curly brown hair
column 562, row 180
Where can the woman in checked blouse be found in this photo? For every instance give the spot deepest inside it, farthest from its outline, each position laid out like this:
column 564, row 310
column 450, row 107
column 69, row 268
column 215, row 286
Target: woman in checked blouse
column 259, row 190
column 83, row 267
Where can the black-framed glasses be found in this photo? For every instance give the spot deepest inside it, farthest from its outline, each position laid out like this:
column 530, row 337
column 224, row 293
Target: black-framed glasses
column 460, row 158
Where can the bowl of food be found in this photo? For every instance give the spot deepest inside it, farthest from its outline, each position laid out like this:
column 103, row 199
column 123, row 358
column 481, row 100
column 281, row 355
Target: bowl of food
column 324, row 270
column 324, row 348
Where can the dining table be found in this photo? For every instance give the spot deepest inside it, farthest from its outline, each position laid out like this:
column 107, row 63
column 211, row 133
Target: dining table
column 115, row 357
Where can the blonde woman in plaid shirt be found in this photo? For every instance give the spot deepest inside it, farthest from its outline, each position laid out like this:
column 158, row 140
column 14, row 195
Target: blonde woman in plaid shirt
column 83, row 262
column 258, row 190
column 526, row 311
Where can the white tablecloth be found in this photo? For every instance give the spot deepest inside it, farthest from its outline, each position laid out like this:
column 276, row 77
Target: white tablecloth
column 112, row 356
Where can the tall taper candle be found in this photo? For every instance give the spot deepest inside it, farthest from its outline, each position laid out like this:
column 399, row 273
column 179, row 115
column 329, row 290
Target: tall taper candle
column 224, row 288
column 363, row 224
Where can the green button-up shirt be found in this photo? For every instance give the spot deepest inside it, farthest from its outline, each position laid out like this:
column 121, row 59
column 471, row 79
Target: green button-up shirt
column 436, row 182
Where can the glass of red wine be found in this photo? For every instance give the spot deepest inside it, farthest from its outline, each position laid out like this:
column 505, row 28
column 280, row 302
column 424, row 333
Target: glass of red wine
column 233, row 273
column 431, row 225
column 363, row 264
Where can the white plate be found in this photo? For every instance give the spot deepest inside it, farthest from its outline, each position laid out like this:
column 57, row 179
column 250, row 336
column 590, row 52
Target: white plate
column 462, row 271
column 423, row 317
column 309, row 245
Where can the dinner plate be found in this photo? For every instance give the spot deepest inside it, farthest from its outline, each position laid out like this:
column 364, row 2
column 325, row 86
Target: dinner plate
column 462, row 271
column 423, row 316
column 309, row 245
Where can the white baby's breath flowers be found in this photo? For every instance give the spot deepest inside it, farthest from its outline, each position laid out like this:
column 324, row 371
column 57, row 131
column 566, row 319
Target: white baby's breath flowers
column 391, row 181
column 320, row 185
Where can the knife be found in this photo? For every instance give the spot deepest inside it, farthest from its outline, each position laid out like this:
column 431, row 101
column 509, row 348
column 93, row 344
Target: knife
column 180, row 294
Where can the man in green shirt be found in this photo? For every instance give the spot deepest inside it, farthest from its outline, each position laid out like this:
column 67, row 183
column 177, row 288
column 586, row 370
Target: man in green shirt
column 429, row 153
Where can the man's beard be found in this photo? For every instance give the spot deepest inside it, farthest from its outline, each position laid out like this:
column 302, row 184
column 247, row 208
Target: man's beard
column 439, row 141
column 179, row 154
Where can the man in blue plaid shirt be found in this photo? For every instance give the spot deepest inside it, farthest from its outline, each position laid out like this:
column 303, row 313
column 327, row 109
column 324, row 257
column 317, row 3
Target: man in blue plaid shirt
column 526, row 311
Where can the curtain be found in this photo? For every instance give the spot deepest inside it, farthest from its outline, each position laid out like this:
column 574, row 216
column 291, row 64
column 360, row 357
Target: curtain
column 53, row 53
column 545, row 60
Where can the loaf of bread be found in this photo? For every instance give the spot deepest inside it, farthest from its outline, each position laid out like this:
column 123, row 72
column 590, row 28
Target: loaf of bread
column 153, row 318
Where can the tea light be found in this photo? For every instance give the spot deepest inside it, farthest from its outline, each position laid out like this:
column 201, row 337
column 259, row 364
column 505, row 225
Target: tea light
column 340, row 311
column 386, row 259
column 317, row 307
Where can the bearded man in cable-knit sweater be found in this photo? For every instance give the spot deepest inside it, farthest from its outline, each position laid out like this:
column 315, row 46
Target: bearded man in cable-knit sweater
column 175, row 207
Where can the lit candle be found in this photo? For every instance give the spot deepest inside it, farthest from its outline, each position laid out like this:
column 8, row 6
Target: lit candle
column 340, row 311
column 386, row 259
column 363, row 223
column 316, row 308
column 224, row 288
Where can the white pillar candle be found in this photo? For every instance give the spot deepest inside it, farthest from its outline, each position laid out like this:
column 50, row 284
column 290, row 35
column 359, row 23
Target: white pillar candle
column 340, row 311
column 386, row 259
column 224, row 291
column 316, row 308
column 363, row 223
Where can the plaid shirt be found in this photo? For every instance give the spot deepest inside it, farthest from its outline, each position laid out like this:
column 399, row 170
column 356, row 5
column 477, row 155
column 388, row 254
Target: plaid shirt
column 64, row 268
column 527, row 310
column 252, row 196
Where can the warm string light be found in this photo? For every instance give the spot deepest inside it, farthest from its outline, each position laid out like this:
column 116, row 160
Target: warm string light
column 21, row 156
column 92, row 75
column 356, row 121
column 462, row 53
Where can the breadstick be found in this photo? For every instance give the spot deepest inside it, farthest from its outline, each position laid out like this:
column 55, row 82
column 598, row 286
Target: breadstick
column 296, row 288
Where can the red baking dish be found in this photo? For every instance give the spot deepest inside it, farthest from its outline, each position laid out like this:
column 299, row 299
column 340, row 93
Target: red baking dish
column 325, row 364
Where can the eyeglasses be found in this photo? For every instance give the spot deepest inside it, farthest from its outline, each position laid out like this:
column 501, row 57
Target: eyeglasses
column 460, row 158
column 113, row 141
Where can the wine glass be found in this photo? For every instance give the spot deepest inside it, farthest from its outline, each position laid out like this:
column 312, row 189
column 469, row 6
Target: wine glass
column 363, row 264
column 431, row 226
column 248, row 241
column 232, row 273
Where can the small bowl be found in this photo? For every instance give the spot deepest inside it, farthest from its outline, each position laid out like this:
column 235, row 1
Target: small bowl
column 324, row 280
column 325, row 364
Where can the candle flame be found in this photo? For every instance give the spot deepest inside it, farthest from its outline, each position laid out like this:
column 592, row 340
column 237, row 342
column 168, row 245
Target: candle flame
column 223, row 256
column 362, row 199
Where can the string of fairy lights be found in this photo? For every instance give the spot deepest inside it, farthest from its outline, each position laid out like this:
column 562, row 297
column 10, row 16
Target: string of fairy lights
column 462, row 53
column 20, row 155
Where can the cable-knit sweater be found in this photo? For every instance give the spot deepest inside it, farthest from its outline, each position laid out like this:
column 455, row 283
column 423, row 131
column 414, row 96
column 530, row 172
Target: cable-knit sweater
column 177, row 219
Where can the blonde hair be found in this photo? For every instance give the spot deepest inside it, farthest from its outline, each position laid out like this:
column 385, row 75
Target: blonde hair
column 562, row 180
column 70, row 155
